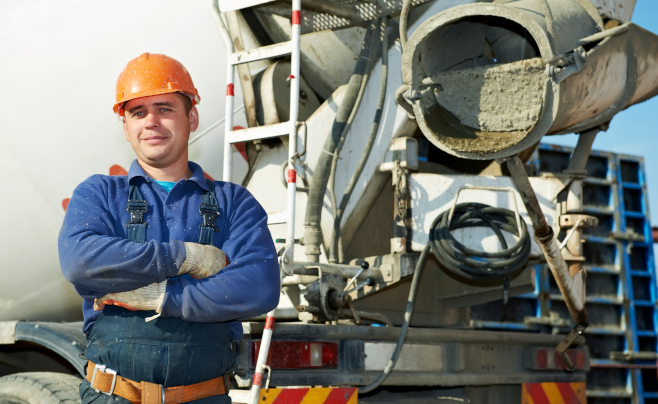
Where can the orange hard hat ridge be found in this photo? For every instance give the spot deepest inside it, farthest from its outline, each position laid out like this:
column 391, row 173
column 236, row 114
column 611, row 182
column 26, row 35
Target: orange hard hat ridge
column 153, row 74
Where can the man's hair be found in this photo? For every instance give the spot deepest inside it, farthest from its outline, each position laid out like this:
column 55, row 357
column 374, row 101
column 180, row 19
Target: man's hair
column 186, row 102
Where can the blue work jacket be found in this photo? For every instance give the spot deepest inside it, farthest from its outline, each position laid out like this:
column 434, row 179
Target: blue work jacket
column 97, row 257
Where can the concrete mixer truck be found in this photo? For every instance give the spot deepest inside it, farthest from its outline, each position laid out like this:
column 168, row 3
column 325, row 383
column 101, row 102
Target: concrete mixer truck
column 395, row 146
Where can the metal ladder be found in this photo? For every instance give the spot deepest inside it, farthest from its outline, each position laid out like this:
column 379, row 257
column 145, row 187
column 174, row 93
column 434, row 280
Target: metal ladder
column 231, row 136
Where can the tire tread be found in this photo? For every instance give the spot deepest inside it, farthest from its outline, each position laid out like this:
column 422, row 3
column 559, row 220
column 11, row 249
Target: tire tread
column 60, row 388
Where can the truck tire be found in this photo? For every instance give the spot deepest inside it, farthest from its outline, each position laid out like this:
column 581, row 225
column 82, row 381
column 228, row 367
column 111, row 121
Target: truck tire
column 39, row 388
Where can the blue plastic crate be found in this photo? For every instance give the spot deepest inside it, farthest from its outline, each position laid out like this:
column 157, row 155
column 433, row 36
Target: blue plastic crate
column 621, row 286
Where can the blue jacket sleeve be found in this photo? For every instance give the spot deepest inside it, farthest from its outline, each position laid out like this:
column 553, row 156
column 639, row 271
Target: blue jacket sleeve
column 248, row 286
column 96, row 259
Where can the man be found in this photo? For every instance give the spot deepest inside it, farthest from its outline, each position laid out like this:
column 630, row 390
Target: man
column 166, row 261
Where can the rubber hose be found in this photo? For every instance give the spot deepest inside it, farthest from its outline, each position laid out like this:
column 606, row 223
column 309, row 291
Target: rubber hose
column 474, row 264
column 465, row 215
column 322, row 170
column 334, row 162
column 336, row 239
column 411, row 300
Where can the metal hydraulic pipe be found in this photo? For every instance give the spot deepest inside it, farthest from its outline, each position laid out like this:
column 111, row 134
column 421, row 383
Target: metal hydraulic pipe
column 572, row 288
column 298, row 280
column 578, row 162
column 217, row 16
column 520, row 178
column 583, row 148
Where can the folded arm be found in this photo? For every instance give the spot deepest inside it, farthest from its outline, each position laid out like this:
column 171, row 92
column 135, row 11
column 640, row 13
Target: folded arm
column 97, row 258
column 248, row 286
column 201, row 261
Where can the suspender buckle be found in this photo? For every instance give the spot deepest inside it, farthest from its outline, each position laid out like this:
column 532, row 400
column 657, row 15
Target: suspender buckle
column 137, row 210
column 209, row 213
column 104, row 369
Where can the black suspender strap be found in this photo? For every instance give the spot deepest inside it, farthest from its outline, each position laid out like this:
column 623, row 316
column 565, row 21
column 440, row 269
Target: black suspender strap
column 137, row 206
column 209, row 210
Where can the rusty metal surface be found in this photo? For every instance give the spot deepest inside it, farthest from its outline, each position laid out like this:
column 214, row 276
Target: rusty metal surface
column 572, row 288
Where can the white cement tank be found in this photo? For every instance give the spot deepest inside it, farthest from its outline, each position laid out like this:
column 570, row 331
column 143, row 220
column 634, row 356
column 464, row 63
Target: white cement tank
column 59, row 64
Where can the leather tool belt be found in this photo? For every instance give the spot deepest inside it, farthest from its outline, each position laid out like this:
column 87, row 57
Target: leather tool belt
column 107, row 381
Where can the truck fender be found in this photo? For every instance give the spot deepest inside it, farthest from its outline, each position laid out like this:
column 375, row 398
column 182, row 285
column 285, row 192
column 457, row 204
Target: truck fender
column 64, row 339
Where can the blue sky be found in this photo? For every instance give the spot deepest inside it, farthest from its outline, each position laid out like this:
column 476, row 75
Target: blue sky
column 634, row 130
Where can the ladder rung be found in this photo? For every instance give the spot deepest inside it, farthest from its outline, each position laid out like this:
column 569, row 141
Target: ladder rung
column 232, row 5
column 259, row 132
column 278, row 217
column 264, row 52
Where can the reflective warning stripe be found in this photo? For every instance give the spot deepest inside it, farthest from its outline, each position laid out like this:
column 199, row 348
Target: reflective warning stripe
column 296, row 17
column 553, row 393
column 335, row 395
column 292, row 176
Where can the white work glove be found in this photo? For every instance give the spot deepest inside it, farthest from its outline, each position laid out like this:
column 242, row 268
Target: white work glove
column 149, row 297
column 202, row 261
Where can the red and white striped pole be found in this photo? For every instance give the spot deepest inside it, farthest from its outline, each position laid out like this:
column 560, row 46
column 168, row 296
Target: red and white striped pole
column 254, row 394
column 294, row 114
column 292, row 190
column 228, row 123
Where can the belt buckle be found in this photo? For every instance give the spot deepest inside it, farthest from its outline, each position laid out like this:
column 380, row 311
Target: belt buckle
column 104, row 369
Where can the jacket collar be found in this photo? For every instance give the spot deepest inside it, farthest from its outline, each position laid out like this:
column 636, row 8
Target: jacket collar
column 197, row 174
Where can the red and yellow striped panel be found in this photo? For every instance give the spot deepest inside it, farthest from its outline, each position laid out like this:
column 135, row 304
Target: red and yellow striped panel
column 330, row 395
column 553, row 393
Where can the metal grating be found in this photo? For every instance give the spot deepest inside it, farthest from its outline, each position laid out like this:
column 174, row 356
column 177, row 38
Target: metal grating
column 621, row 284
column 313, row 21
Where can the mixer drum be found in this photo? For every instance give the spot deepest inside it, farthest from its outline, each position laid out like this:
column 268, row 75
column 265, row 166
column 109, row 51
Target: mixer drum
column 490, row 80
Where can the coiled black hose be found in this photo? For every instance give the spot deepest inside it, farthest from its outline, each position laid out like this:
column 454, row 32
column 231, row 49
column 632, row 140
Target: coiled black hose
column 456, row 258
column 473, row 264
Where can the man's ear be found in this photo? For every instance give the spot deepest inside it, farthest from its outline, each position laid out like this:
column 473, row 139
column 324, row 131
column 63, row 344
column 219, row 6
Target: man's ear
column 194, row 119
column 125, row 128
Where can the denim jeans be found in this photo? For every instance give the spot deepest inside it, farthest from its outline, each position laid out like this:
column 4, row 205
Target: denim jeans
column 166, row 351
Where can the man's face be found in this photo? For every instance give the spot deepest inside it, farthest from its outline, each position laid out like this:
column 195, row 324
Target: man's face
column 158, row 128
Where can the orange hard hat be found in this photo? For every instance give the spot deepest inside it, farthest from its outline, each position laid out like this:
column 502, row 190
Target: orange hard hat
column 153, row 74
